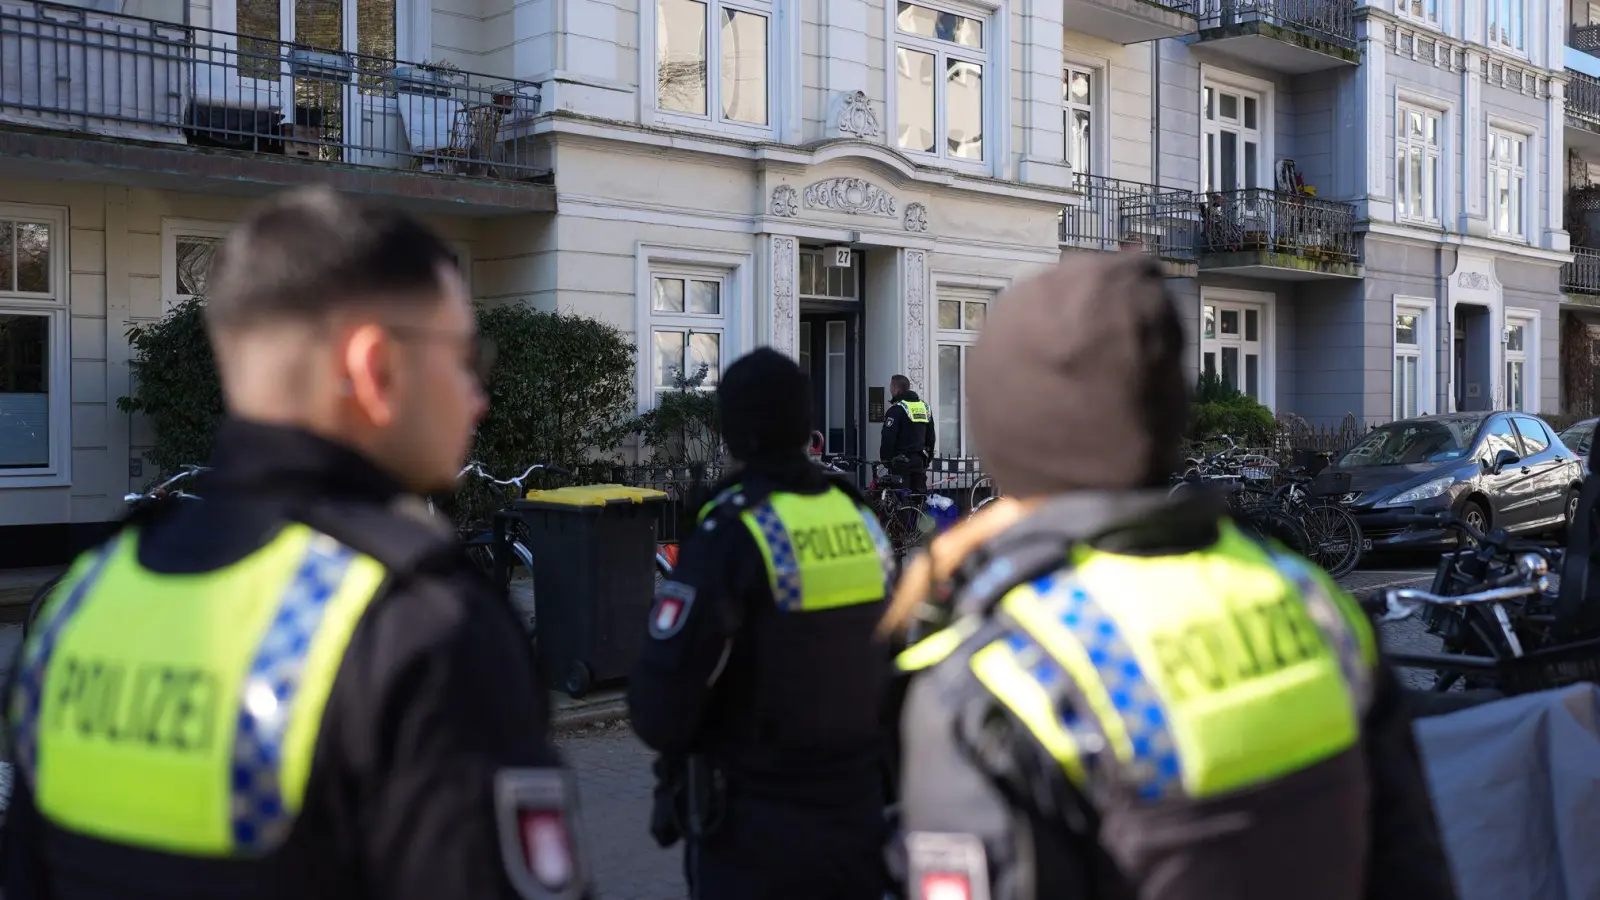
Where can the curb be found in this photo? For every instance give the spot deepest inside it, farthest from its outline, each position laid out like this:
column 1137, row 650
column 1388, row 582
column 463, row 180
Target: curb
column 572, row 715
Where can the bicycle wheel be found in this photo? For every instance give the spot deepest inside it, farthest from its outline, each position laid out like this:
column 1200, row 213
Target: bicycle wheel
column 903, row 528
column 37, row 602
column 1274, row 524
column 1333, row 538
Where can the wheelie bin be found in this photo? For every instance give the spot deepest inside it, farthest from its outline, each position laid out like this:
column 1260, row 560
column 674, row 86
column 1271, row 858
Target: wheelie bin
column 593, row 553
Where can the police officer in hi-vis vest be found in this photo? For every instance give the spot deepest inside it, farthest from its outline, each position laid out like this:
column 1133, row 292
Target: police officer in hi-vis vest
column 906, row 444
column 1130, row 698
column 298, row 686
column 761, row 683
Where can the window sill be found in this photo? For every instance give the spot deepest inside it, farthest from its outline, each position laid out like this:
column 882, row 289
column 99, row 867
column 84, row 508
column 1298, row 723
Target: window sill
column 713, row 128
column 7, row 482
column 1420, row 23
column 1427, row 224
column 970, row 166
column 1521, row 240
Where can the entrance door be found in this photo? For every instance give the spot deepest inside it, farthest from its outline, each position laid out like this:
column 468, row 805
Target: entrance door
column 1232, row 346
column 829, row 348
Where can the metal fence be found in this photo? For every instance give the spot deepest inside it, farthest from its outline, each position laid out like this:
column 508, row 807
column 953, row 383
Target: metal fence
column 1276, row 222
column 77, row 69
column 1333, row 21
column 1582, row 275
column 1583, row 100
column 1129, row 215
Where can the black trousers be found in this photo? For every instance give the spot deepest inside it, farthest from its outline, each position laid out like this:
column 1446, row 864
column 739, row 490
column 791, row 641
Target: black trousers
column 766, row 851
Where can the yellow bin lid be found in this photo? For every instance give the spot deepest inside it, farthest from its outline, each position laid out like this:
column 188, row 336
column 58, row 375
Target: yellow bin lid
column 596, row 495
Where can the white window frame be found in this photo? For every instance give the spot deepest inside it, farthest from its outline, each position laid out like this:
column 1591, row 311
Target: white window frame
column 964, row 340
column 731, row 269
column 1433, row 207
column 778, row 51
column 57, row 308
column 1429, row 16
column 1097, row 107
column 171, row 230
column 1425, row 350
column 1529, row 356
column 1517, row 11
column 995, row 74
column 1265, row 94
column 1267, row 304
column 1523, row 200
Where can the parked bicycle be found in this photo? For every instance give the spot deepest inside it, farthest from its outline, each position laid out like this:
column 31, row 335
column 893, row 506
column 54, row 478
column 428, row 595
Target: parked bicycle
column 171, row 488
column 499, row 544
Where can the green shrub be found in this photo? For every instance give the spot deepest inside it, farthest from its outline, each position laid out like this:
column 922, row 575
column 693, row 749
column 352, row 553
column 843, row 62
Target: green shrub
column 1560, row 422
column 683, row 426
column 175, row 387
column 1220, row 409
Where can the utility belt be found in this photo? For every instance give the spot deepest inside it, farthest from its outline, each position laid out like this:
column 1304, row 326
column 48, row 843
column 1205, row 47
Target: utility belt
column 690, row 799
column 906, row 463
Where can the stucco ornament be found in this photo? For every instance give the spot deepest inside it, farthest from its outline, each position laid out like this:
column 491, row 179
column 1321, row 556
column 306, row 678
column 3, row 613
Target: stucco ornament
column 856, row 118
column 1474, row 280
column 785, row 201
column 856, row 196
column 784, row 253
column 915, row 270
column 916, row 218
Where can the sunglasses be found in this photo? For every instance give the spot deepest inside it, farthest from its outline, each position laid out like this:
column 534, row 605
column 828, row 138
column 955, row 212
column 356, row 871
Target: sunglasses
column 481, row 351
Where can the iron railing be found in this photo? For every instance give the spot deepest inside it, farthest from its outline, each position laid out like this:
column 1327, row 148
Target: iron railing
column 1583, row 100
column 1129, row 215
column 1333, row 21
column 76, row 69
column 1582, row 275
column 1277, row 222
column 1587, row 38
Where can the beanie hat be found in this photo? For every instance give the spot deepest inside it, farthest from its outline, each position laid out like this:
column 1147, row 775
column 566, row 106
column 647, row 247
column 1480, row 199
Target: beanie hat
column 764, row 407
column 1077, row 382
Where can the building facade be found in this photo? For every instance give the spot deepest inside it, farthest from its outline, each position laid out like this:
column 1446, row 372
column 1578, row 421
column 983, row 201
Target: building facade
column 1346, row 197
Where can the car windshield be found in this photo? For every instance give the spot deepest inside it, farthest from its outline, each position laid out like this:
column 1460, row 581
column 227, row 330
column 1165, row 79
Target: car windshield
column 1413, row 442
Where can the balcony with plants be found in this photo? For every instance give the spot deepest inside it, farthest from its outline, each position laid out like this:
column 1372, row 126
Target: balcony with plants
column 1287, row 233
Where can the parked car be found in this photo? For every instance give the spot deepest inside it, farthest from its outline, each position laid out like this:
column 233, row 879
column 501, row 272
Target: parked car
column 1493, row 469
column 1579, row 437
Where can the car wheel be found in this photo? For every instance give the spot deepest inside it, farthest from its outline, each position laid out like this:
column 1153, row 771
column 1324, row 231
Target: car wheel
column 1570, row 514
column 1473, row 513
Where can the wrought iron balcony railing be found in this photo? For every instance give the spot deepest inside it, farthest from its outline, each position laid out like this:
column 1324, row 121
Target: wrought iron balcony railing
column 1128, row 215
column 1333, row 21
column 1583, row 100
column 1274, row 222
column 124, row 76
column 1582, row 275
column 1587, row 38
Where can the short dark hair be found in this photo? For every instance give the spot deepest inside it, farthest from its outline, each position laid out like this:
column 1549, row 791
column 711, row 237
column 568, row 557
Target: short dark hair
column 900, row 383
column 312, row 251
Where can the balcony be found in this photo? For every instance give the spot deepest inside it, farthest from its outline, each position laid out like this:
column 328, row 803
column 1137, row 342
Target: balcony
column 1271, row 234
column 1587, row 39
column 1128, row 215
column 1583, row 113
column 1130, row 21
column 1290, row 36
column 1580, row 279
column 181, row 103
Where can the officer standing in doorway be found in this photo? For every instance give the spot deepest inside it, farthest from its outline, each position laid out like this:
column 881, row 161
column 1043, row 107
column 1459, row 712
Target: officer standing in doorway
column 298, row 686
column 907, row 443
column 761, row 683
column 1132, row 698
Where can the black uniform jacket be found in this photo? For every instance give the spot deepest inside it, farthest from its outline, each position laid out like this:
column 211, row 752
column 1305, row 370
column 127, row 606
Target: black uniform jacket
column 788, row 705
column 437, row 692
column 902, row 437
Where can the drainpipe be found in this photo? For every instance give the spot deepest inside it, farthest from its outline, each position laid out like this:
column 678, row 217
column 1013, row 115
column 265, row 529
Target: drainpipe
column 1155, row 112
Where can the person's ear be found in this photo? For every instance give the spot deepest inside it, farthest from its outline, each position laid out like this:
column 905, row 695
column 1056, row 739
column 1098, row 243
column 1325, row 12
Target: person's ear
column 368, row 362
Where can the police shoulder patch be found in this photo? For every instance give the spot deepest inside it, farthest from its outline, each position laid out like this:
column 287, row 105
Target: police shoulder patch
column 535, row 815
column 670, row 611
column 946, row 866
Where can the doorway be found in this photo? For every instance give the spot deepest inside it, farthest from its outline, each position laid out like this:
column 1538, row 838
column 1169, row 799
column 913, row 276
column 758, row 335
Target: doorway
column 1473, row 372
column 830, row 347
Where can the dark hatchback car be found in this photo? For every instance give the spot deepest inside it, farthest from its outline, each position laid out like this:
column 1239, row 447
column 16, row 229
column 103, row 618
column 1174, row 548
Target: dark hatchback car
column 1494, row 470
column 1579, row 437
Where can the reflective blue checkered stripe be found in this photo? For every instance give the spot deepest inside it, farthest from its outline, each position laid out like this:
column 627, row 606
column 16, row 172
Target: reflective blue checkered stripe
column 1154, row 771
column 1087, row 735
column 259, row 817
column 29, row 692
column 1336, row 630
column 786, row 583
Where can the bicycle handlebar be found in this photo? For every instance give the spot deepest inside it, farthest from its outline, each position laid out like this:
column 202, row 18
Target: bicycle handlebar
column 476, row 468
column 162, row 489
column 1395, row 604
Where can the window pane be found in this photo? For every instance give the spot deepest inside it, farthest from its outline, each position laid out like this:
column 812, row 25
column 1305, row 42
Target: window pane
column 8, row 249
column 33, row 257
column 1534, row 437
column 1230, row 367
column 744, row 67
column 1399, row 387
column 1210, row 103
column 1209, row 321
column 705, row 349
column 1209, row 165
column 963, row 110
column 1411, row 366
column 949, row 314
column 1414, row 183
column 669, row 357
column 1514, row 338
column 1251, row 318
column 1230, row 321
column 1076, row 88
column 1078, row 137
column 193, row 263
column 667, row 295
column 681, row 56
column 920, row 20
column 1430, row 188
column 972, row 316
column 705, row 297
column 1514, row 387
column 1252, row 375
column 1249, row 112
column 1250, row 155
column 24, row 392
column 837, row 393
column 1210, row 365
column 808, row 266
column 949, row 390
column 1228, row 106
column 1230, row 160
column 914, row 99
column 1405, row 329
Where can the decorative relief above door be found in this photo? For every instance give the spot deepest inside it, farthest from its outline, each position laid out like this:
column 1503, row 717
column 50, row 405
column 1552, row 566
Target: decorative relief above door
column 855, row 196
